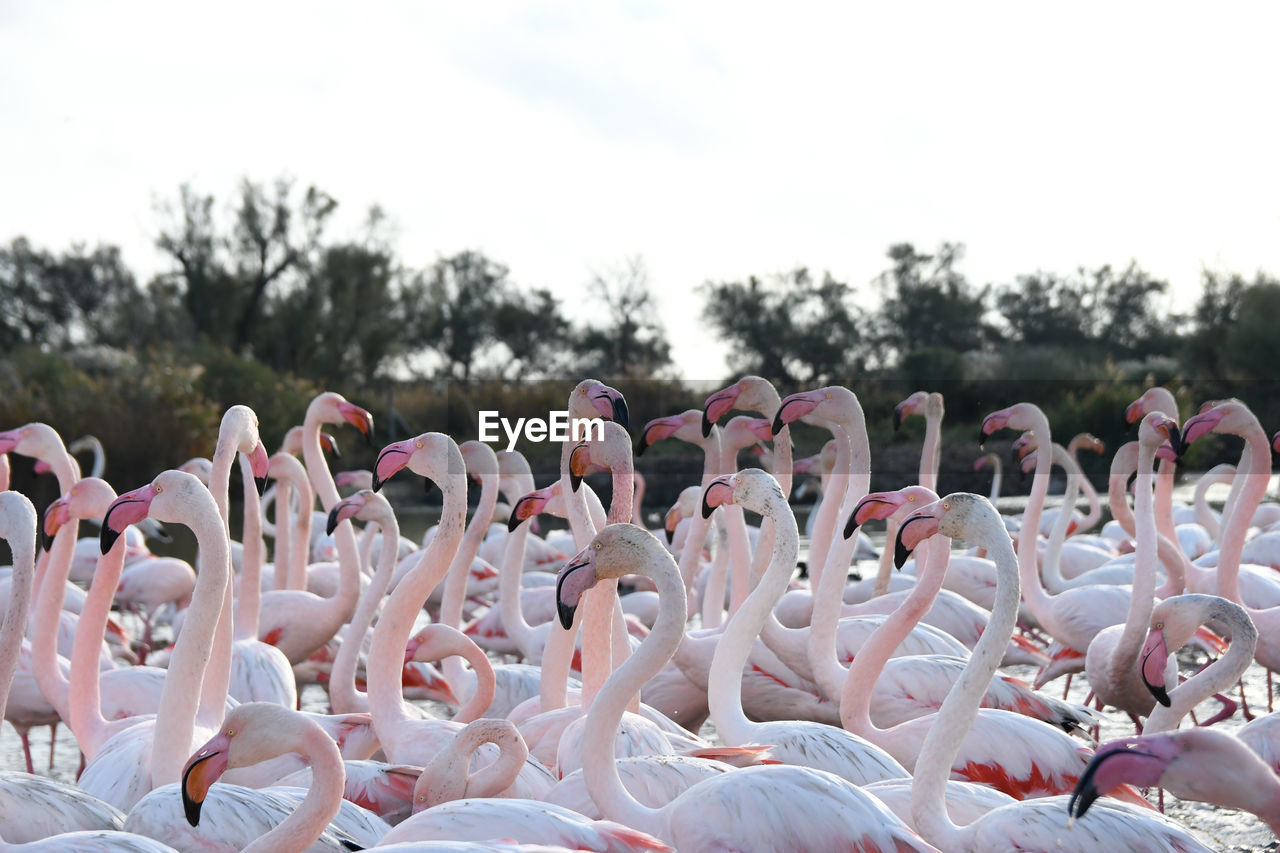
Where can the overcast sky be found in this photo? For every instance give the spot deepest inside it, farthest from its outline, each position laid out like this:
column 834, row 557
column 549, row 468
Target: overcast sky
column 717, row 140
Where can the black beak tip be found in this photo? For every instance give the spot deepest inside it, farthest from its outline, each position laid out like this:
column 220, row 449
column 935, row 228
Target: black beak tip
column 706, row 425
column 261, row 483
column 565, row 612
column 620, row 415
column 897, row 420
column 107, row 538
column 851, row 525
column 191, row 808
column 641, row 446
column 332, row 523
column 982, row 438
column 1162, row 695
column 377, row 482
column 900, row 554
column 46, row 541
column 574, row 482
column 513, row 522
column 778, row 424
column 707, row 508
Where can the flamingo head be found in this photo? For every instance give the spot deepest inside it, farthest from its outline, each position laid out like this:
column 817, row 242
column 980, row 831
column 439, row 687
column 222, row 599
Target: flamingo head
column 908, row 407
column 1021, row 416
column 795, row 407
column 580, row 465
column 1139, row 761
column 329, row 444
column 357, row 478
column 617, row 550
column 43, row 467
column 718, row 405
column 672, row 426
column 433, row 455
column 882, row 505
column 984, row 460
column 592, row 397
column 12, row 438
column 352, row 507
column 1157, row 428
column 948, row 516
column 750, row 488
column 1216, row 416
column 358, row 418
column 203, row 769
column 129, row 508
column 531, row 505
column 1022, row 446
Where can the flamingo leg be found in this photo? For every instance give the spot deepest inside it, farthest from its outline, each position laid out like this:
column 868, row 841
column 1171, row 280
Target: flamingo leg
column 1137, row 723
column 1244, row 703
column 53, row 740
column 1068, row 685
column 25, row 734
column 1228, row 709
column 1270, row 707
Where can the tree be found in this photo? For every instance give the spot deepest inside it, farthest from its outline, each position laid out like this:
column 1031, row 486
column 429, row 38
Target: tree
column 31, row 311
column 1128, row 322
column 1044, row 309
column 631, row 341
column 929, row 303
column 225, row 279
column 465, row 309
column 792, row 329
column 1215, row 315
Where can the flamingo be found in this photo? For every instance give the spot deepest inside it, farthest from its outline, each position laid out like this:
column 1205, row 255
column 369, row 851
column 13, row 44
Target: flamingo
column 150, row 754
column 992, row 460
column 233, row 818
column 299, row 622
column 931, row 406
column 1111, row 658
column 759, row 807
column 1196, row 764
column 1029, row 824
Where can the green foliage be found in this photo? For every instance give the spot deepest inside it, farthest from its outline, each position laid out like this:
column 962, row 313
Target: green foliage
column 630, row 341
column 929, row 303
column 792, row 330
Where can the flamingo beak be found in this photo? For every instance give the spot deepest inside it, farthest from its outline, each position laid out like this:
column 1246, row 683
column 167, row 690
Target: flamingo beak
column 129, row 508
column 579, row 460
column 58, row 514
column 574, row 580
column 358, row 418
column 522, row 511
column 259, row 462
column 872, row 506
column 202, row 770
column 1151, row 663
column 329, row 443
column 913, row 531
column 716, row 407
column 711, row 501
column 392, row 458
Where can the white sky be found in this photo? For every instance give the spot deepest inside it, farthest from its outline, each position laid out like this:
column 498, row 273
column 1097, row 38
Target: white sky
column 718, row 140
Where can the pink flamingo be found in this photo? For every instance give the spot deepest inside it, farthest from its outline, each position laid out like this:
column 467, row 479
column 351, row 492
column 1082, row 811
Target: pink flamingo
column 234, row 818
column 150, row 754
column 299, row 622
column 766, row 802
column 1030, row 824
column 1196, row 764
column 931, row 406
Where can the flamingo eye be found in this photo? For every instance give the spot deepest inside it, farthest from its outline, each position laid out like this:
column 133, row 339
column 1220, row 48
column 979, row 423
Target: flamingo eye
column 598, row 546
column 159, row 490
column 231, row 732
column 946, row 506
column 419, row 445
column 1159, row 626
column 911, row 500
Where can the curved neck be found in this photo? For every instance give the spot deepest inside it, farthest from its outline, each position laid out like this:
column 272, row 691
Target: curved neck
column 931, row 452
column 87, row 722
column 884, row 570
column 385, row 665
column 724, row 682
column 1164, row 499
column 1051, row 564
column 448, row 776
column 282, row 553
column 1217, row 676
column 344, row 696
column 837, row 484
column 180, row 699
column 249, row 601
column 855, row 698
column 960, row 708
column 599, row 764
column 1237, row 484
column 344, row 599
column 301, row 829
column 455, row 585
column 47, row 618
column 1256, row 471
column 509, row 590
column 1123, row 662
column 1204, row 515
column 996, row 475
column 1038, row 601
column 15, row 618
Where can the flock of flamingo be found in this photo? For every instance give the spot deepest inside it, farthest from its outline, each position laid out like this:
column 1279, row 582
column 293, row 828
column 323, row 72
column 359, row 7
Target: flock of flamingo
column 849, row 716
